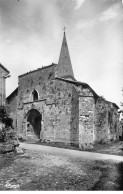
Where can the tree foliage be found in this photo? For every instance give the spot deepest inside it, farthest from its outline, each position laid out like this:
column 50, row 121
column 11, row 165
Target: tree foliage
column 3, row 113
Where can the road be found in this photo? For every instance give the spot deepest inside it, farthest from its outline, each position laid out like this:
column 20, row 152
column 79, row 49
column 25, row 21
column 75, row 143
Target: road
column 68, row 152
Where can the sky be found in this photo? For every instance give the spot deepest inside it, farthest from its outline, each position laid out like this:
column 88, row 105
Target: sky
column 31, row 33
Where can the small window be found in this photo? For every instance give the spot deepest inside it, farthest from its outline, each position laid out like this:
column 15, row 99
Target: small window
column 35, row 95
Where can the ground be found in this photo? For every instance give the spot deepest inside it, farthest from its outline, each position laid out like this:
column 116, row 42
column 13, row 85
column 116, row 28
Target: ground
column 49, row 170
column 115, row 148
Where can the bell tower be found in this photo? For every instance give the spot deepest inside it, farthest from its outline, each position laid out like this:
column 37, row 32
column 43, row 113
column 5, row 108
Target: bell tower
column 64, row 67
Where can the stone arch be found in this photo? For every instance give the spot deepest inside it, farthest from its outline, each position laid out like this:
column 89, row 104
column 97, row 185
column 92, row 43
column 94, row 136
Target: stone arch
column 33, row 124
column 34, row 95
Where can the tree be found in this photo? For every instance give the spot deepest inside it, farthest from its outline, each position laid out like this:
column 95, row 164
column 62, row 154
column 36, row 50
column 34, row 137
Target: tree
column 3, row 114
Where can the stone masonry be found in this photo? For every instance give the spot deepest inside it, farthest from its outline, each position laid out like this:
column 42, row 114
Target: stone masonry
column 50, row 105
column 107, row 125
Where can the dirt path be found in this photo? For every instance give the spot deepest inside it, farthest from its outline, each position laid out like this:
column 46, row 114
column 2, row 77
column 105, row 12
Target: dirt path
column 80, row 154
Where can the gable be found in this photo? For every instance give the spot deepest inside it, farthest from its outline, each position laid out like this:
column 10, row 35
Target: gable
column 3, row 71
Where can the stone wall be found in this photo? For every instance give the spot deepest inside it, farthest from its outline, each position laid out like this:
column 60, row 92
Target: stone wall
column 86, row 119
column 58, row 104
column 71, row 112
column 11, row 105
column 38, row 80
column 106, row 121
column 65, row 124
column 21, row 123
column 74, row 117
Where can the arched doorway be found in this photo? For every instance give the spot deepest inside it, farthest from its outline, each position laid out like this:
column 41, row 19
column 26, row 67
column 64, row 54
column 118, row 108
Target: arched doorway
column 34, row 127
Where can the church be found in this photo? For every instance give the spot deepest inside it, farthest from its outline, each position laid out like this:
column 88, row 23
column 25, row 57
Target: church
column 51, row 105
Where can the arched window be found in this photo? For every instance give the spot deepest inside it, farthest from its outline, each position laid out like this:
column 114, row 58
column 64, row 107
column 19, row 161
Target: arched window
column 34, row 95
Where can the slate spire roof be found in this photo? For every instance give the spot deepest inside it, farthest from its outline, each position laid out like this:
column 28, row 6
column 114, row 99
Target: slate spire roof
column 64, row 67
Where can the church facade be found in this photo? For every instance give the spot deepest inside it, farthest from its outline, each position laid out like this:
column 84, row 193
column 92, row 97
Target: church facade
column 51, row 105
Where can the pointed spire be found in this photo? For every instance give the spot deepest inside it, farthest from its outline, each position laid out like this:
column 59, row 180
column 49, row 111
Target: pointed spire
column 64, row 67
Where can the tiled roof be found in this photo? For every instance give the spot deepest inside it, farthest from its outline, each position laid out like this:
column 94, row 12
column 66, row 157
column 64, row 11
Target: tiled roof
column 14, row 92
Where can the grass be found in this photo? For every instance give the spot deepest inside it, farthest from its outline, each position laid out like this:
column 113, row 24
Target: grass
column 42, row 171
column 115, row 148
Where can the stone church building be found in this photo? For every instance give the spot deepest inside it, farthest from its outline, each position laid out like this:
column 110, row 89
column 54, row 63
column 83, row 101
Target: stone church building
column 51, row 105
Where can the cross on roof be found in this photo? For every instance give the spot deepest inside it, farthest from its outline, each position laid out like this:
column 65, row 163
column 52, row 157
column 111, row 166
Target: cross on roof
column 64, row 28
